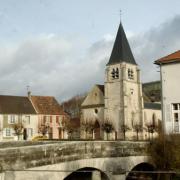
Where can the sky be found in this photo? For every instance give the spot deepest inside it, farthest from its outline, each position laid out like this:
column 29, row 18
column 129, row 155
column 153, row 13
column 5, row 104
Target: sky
column 60, row 47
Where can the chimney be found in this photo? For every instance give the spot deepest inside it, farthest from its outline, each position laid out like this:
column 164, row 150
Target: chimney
column 29, row 94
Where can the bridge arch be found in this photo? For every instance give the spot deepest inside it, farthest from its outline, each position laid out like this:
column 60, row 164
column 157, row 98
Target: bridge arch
column 87, row 173
column 142, row 171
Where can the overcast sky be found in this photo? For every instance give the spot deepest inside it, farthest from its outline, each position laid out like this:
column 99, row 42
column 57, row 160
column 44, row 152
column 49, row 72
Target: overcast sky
column 60, row 47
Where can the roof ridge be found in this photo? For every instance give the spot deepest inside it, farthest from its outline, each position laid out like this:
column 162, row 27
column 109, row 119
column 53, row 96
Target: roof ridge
column 12, row 96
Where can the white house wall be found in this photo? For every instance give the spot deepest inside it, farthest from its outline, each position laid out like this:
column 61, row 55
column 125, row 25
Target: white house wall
column 171, row 92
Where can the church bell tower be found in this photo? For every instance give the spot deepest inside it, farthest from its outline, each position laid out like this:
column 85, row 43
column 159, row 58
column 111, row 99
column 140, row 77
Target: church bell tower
column 123, row 92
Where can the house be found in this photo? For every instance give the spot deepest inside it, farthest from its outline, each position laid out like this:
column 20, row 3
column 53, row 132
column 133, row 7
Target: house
column 18, row 119
column 170, row 76
column 116, row 110
column 51, row 118
column 23, row 118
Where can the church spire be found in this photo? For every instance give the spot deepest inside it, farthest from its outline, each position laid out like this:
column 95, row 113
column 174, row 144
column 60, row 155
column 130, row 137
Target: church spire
column 121, row 50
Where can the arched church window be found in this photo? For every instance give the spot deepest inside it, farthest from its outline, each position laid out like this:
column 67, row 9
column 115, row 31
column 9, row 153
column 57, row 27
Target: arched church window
column 117, row 73
column 130, row 74
column 113, row 73
column 96, row 111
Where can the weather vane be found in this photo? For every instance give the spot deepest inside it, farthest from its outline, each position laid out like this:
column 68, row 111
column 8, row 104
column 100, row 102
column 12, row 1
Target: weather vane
column 120, row 13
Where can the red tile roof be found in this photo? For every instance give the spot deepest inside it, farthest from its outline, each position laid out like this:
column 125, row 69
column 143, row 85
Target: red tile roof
column 174, row 57
column 46, row 105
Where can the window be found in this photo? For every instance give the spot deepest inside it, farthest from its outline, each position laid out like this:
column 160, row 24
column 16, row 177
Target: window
column 8, row 132
column 115, row 73
column 96, row 111
column 12, row 119
column 30, row 132
column 46, row 119
column 175, row 106
column 176, row 117
column 130, row 74
column 27, row 119
column 50, row 119
column 57, row 119
column 132, row 91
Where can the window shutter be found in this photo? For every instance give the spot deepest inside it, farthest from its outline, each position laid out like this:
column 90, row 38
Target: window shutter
column 4, row 132
column 44, row 119
column 57, row 119
column 12, row 132
column 16, row 118
column 8, row 117
column 50, row 119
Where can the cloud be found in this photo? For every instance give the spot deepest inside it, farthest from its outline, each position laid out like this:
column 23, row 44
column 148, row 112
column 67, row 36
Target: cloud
column 156, row 43
column 62, row 67
column 50, row 65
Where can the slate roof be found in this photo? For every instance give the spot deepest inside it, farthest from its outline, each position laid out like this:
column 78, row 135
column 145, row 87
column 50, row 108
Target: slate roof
column 46, row 105
column 15, row 105
column 101, row 87
column 121, row 51
column 173, row 57
column 155, row 106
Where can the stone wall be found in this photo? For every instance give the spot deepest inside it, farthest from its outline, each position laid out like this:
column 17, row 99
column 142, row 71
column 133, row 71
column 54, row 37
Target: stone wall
column 56, row 160
column 34, row 155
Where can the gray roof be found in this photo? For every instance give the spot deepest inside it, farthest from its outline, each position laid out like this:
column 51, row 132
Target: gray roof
column 155, row 106
column 121, row 50
column 101, row 87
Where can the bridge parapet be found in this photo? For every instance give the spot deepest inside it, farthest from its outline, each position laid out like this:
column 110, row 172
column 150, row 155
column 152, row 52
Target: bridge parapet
column 30, row 156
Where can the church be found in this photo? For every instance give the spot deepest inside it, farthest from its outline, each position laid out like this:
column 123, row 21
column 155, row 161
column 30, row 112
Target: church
column 117, row 108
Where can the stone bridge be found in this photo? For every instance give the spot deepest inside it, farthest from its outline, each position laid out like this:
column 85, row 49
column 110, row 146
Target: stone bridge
column 67, row 160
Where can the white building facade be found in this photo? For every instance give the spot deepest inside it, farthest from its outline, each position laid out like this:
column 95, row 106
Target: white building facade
column 170, row 79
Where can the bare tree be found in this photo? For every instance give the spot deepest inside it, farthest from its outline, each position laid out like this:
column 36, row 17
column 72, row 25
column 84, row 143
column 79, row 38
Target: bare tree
column 91, row 128
column 84, row 127
column 18, row 129
column 137, row 128
column 73, row 105
column 124, row 129
column 151, row 129
column 70, row 129
column 108, row 128
column 88, row 127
